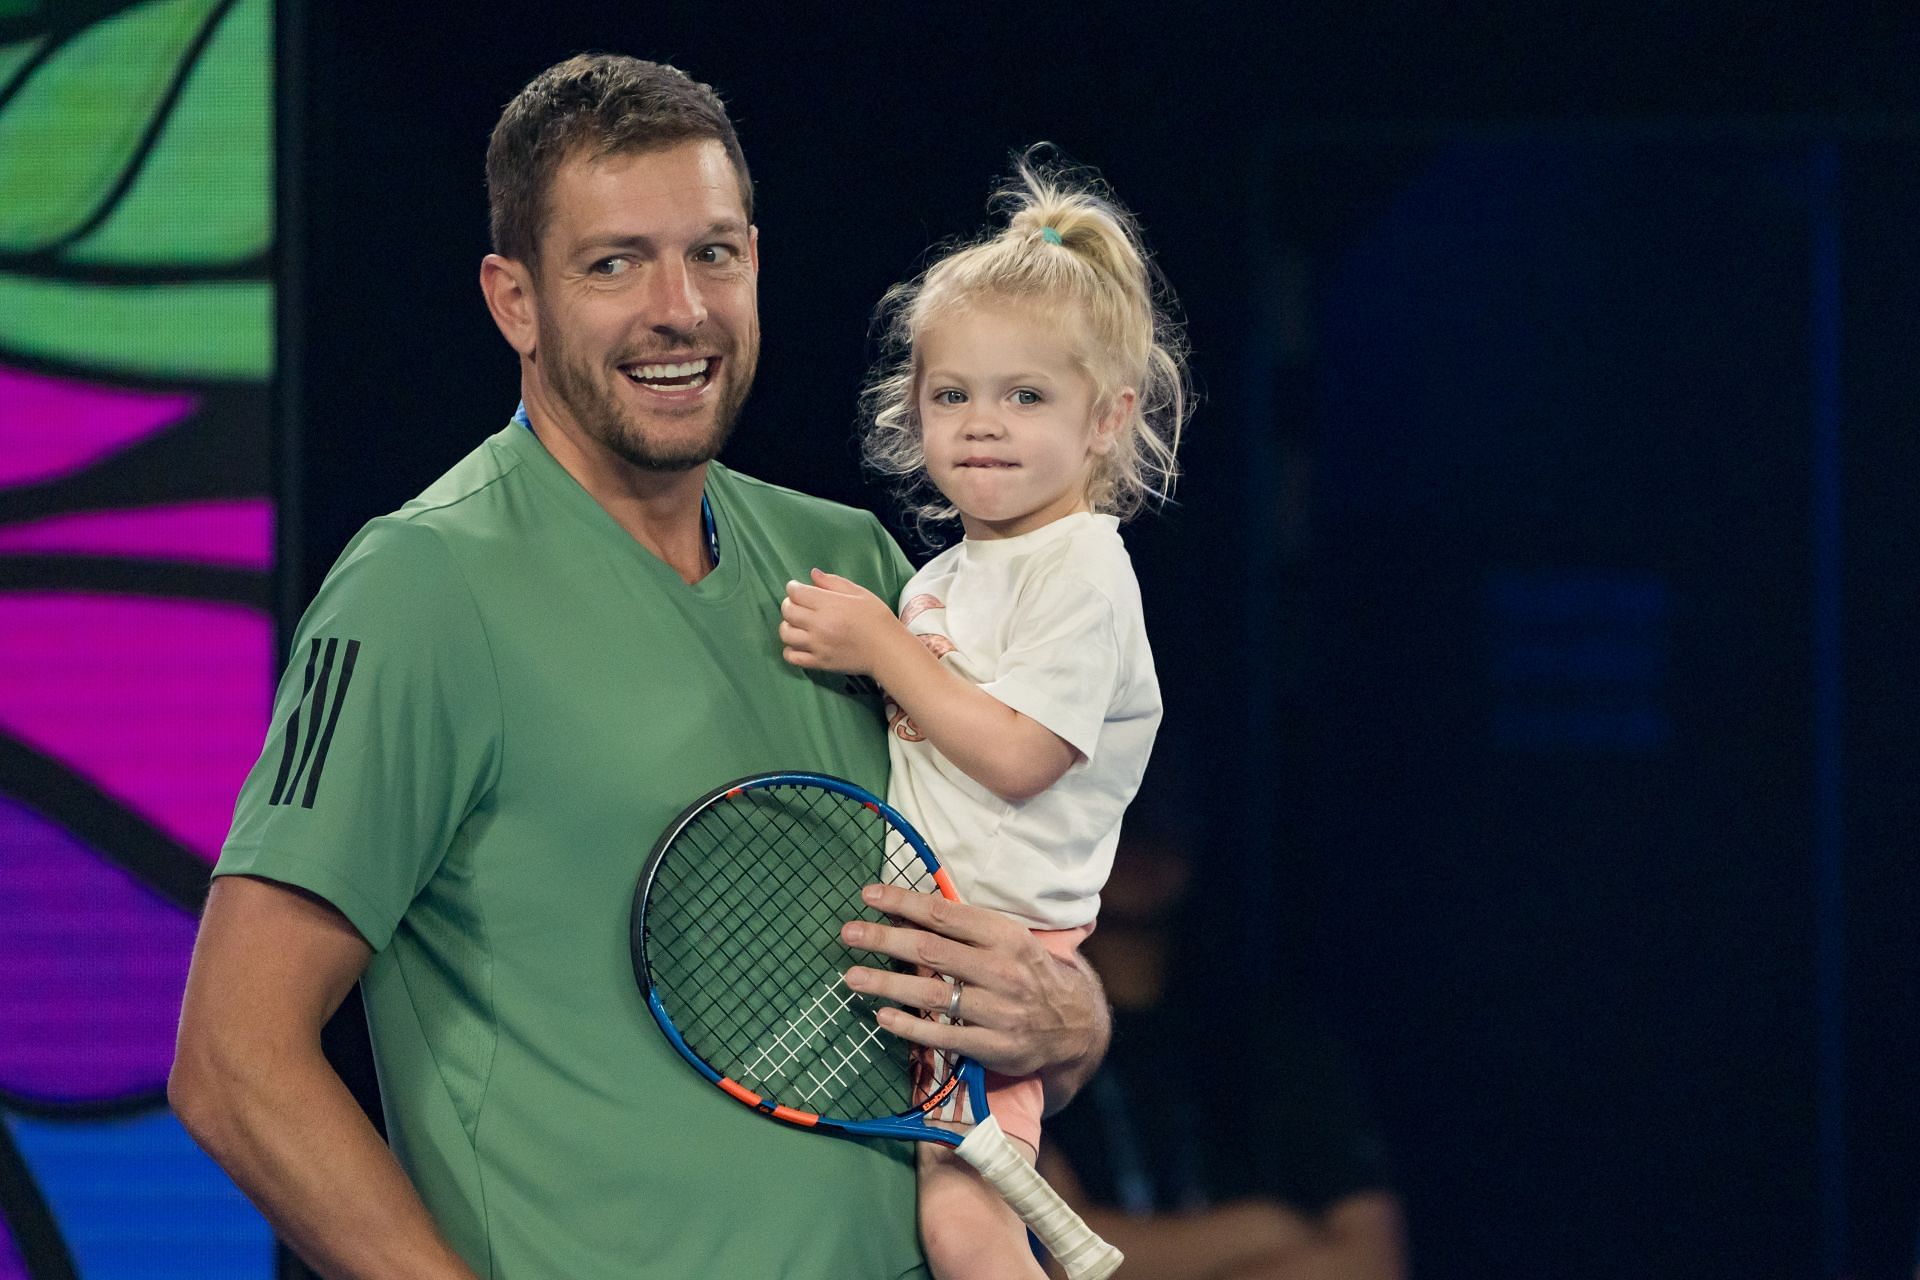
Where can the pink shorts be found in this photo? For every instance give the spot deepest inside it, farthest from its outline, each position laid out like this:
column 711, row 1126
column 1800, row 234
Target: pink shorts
column 1018, row 1101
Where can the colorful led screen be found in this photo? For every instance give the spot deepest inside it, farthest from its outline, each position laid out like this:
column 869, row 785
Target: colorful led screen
column 136, row 640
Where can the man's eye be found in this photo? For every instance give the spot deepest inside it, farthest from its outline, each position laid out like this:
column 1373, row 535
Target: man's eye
column 716, row 254
column 610, row 267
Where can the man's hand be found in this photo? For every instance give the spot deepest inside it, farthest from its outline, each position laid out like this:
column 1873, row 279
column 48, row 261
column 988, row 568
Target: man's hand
column 1024, row 1010
column 250, row 1083
column 836, row 625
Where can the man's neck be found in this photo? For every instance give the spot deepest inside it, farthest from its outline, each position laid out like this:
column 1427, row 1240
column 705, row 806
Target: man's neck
column 659, row 509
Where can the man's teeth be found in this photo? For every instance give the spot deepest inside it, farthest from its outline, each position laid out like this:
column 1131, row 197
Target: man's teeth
column 686, row 370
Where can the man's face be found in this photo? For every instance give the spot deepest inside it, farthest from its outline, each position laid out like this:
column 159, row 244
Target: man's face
column 649, row 329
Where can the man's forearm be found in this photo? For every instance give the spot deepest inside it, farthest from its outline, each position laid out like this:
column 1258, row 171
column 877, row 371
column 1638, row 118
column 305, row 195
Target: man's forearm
column 290, row 1135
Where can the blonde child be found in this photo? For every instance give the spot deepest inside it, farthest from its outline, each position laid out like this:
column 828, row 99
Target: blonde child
column 1037, row 390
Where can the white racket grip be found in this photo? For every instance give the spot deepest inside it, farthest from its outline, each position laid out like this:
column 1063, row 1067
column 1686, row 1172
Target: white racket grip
column 1084, row 1255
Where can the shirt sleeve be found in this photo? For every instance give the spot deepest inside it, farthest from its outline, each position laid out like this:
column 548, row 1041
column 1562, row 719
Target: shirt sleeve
column 1062, row 664
column 385, row 733
column 895, row 569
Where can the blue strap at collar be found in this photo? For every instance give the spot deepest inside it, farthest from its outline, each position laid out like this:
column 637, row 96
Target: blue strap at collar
column 707, row 521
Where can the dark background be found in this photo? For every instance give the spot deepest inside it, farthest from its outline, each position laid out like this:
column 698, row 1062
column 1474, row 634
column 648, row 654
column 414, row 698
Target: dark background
column 1536, row 617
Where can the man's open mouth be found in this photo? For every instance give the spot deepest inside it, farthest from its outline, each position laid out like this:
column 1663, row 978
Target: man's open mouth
column 683, row 375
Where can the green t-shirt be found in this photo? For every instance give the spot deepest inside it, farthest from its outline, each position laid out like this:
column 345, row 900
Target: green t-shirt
column 496, row 702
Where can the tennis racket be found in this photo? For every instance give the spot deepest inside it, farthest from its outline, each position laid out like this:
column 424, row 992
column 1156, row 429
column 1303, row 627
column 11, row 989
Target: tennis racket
column 736, row 945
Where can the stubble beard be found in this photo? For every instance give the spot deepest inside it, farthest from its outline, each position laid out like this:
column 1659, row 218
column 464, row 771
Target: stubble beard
column 602, row 416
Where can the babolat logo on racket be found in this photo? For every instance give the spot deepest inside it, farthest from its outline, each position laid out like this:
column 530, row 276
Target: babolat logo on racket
column 310, row 728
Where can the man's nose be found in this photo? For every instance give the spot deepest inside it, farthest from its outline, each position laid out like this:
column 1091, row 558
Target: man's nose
column 674, row 301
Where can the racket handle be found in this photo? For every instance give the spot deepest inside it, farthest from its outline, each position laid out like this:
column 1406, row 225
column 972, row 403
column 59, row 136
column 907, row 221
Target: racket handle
column 1084, row 1255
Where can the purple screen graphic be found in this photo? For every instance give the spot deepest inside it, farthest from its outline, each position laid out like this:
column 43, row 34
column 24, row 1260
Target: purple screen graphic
column 12, row 1265
column 159, row 702
column 83, row 1022
column 53, row 426
column 236, row 532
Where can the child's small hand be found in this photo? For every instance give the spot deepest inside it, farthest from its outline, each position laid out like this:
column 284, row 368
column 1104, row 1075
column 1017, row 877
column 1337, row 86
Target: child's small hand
column 835, row 625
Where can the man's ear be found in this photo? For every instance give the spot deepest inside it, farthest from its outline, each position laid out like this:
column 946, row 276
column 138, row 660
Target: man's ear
column 1107, row 430
column 508, row 288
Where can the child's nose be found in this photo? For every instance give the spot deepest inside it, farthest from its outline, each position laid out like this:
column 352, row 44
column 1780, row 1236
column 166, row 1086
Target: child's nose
column 982, row 424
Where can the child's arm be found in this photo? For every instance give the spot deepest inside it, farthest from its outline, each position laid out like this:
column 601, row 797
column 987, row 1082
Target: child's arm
column 837, row 625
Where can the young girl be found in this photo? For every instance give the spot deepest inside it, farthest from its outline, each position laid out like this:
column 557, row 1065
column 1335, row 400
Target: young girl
column 1036, row 390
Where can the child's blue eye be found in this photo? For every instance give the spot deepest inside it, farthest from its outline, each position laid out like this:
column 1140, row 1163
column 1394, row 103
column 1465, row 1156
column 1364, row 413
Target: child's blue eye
column 1026, row 396
column 950, row 395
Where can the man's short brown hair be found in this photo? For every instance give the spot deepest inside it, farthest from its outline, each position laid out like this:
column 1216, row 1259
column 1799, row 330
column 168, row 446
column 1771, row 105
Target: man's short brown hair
column 596, row 104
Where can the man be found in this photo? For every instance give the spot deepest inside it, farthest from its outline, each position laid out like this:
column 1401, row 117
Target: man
column 499, row 696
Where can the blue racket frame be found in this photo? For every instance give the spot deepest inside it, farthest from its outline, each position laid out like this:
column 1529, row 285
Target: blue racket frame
column 911, row 1124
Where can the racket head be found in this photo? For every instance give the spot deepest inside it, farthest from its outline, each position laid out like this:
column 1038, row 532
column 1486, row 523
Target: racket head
column 736, row 947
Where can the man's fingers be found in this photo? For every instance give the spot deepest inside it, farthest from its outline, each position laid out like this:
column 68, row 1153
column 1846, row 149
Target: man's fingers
column 928, row 950
column 1023, row 1007
column 916, row 990
column 980, row 1009
column 984, row 1044
column 979, row 1043
column 957, row 920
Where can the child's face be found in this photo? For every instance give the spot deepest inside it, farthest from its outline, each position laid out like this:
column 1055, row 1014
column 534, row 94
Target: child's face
column 1007, row 418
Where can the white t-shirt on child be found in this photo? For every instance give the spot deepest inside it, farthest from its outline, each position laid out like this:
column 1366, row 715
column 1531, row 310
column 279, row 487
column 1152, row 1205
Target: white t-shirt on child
column 1050, row 624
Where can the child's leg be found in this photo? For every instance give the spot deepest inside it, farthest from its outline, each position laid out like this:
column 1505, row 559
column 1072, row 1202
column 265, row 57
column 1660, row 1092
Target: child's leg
column 968, row 1231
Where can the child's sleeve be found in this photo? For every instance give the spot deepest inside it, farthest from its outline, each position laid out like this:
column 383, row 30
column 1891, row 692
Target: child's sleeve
column 1062, row 666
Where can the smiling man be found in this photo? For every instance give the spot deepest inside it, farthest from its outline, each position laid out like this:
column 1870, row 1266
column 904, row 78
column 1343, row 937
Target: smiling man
column 501, row 693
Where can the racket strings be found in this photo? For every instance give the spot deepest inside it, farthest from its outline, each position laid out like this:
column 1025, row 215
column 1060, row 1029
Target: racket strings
column 761, row 951
column 743, row 947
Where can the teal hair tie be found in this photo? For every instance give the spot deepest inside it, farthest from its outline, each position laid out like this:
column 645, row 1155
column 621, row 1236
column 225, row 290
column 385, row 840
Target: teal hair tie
column 1050, row 235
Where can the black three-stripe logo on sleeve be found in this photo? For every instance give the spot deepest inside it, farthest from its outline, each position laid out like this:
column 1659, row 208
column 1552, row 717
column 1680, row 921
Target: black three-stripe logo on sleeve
column 304, row 757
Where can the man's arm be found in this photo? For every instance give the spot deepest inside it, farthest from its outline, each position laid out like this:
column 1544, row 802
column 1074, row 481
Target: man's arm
column 251, row 1084
column 1025, row 1011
